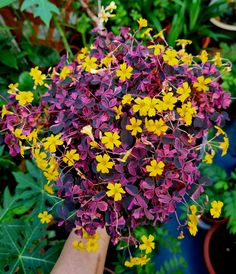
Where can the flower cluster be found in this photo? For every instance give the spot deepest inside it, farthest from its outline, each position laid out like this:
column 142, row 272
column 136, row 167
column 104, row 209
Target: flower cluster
column 121, row 131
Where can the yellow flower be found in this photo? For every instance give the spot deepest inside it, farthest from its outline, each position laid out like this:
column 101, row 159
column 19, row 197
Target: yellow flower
column 217, row 59
column 150, row 125
column 13, row 88
column 160, row 34
column 70, row 157
column 24, row 97
column 150, row 106
column 88, row 131
column 186, row 58
column 192, row 228
column 51, row 174
column 5, row 111
column 32, row 137
column 193, row 209
column 148, row 243
column 94, row 144
column 103, row 163
column 134, row 126
column 104, row 16
column 201, row 84
column 157, row 49
column 48, row 189
column 193, row 218
column 133, row 261
column 170, row 57
column 115, row 190
column 111, row 139
column 143, row 260
column 156, row 168
column 81, row 55
column 224, row 145
column 92, row 245
column 186, row 112
column 18, row 133
column 124, row 72
column 183, row 42
column 220, row 131
column 169, row 101
column 216, row 207
column 184, row 92
column 40, row 158
column 127, row 99
column 160, row 127
column 89, row 63
column 181, row 235
column 107, row 60
column 203, row 56
column 209, row 157
column 118, row 111
column 142, row 23
column 52, row 142
column 65, row 72
column 45, row 217
column 140, row 105
column 146, row 32
column 78, row 245
column 37, row 76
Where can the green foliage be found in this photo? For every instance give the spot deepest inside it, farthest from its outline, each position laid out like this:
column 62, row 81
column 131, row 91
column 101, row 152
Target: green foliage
column 41, row 8
column 25, row 247
column 4, row 3
column 229, row 209
column 174, row 265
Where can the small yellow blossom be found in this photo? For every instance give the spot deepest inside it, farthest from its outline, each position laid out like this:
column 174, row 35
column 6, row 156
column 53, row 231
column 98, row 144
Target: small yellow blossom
column 201, row 84
column 111, row 140
column 151, row 105
column 51, row 174
column 94, row 144
column 82, row 54
column 156, row 168
column 52, row 142
column 24, row 97
column 186, row 58
column 170, row 57
column 142, row 23
column 78, row 245
column 220, row 131
column 118, row 111
column 203, row 56
column 158, row 49
column 65, row 72
column 5, row 111
column 192, row 228
column 115, row 190
column 133, row 261
column 89, row 63
column 224, row 145
column 18, row 133
column 45, row 217
column 208, row 159
column 134, row 126
column 183, row 42
column 92, row 245
column 160, row 34
column 104, row 16
column 181, row 235
column 150, row 125
column 112, row 6
column 141, row 106
column 13, row 88
column 193, row 209
column 144, row 260
column 217, row 59
column 103, row 163
column 148, row 245
column 88, row 130
column 49, row 189
column 184, row 92
column 70, row 157
column 107, row 60
column 124, row 72
column 160, row 127
column 37, row 76
column 146, row 32
column 216, row 207
column 127, row 99
column 169, row 101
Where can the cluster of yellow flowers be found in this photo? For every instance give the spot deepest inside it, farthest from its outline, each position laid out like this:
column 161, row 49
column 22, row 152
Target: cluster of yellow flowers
column 88, row 243
column 148, row 246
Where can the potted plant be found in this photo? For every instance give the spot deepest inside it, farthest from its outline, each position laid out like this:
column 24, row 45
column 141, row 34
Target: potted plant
column 119, row 133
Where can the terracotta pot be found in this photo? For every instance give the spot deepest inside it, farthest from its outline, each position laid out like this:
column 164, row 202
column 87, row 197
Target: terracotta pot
column 219, row 249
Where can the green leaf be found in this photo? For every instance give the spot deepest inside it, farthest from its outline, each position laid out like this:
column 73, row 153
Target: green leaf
column 42, row 8
column 8, row 59
column 4, row 3
column 25, row 81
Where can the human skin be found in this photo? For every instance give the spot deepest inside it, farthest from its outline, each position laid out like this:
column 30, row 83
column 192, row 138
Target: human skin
column 73, row 261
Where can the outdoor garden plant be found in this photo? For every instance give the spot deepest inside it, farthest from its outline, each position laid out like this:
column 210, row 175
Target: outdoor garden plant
column 119, row 133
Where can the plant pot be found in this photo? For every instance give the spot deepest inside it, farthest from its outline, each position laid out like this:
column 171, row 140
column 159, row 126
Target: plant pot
column 219, row 249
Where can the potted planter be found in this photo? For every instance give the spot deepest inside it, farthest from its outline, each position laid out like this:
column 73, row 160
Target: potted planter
column 219, row 249
column 226, row 21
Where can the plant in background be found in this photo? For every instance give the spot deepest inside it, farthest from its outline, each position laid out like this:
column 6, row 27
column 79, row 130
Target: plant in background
column 120, row 133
